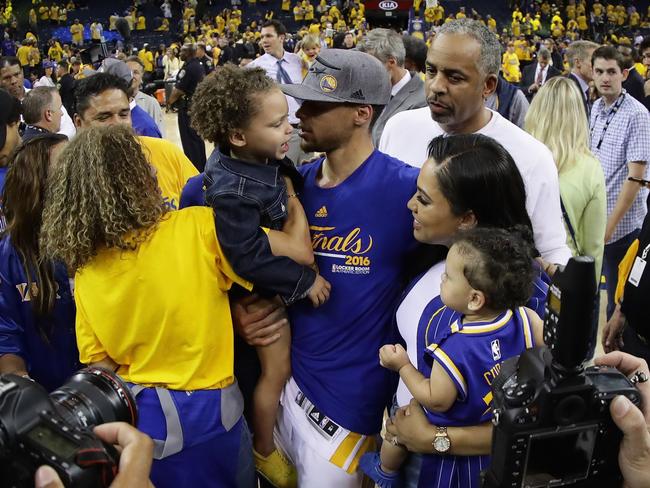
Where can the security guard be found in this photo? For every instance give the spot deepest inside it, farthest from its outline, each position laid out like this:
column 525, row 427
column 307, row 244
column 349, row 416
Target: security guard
column 206, row 61
column 189, row 77
column 629, row 327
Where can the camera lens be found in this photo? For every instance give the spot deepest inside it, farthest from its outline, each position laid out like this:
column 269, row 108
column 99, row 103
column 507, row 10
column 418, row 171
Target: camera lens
column 94, row 396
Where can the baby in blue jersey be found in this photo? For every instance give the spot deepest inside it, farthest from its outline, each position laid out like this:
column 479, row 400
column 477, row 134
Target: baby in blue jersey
column 477, row 322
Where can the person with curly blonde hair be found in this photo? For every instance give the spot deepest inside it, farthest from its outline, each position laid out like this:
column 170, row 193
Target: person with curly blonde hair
column 151, row 290
column 250, row 184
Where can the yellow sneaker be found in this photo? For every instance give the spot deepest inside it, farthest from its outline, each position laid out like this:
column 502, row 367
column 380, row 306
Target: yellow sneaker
column 277, row 469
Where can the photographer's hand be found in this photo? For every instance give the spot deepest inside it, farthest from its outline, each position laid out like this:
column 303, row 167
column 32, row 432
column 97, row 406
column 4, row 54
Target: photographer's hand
column 634, row 452
column 135, row 458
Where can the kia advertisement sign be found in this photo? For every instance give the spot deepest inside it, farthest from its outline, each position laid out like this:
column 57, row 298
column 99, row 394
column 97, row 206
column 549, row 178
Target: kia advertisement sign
column 395, row 12
column 388, row 5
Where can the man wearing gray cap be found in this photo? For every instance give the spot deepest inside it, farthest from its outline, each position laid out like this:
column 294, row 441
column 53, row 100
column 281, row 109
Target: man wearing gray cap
column 332, row 406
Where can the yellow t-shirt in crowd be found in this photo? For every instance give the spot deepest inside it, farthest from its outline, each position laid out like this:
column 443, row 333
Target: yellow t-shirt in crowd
column 165, row 325
column 142, row 23
column 173, row 169
column 77, row 31
column 309, row 12
column 95, row 33
column 23, row 55
column 582, row 22
column 285, row 6
column 55, row 53
column 510, row 66
column 641, row 69
column 44, row 12
column 147, row 60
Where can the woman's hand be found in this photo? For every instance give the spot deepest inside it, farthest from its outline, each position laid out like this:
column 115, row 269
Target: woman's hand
column 410, row 428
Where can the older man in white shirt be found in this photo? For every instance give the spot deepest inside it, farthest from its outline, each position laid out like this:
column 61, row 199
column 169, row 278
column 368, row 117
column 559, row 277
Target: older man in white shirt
column 462, row 67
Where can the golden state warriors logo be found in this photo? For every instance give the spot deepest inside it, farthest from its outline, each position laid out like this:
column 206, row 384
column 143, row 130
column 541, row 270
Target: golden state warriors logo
column 328, row 83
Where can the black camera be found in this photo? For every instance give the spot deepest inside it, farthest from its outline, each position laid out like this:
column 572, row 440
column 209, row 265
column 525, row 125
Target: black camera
column 552, row 425
column 37, row 428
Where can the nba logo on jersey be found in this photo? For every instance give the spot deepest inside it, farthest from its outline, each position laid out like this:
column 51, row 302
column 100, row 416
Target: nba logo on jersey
column 496, row 349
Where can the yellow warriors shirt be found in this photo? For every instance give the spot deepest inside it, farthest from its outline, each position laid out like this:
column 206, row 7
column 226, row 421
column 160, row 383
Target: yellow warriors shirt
column 173, row 169
column 510, row 66
column 161, row 311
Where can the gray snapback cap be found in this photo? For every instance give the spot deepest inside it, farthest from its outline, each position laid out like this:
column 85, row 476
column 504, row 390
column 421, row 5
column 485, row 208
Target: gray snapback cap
column 342, row 75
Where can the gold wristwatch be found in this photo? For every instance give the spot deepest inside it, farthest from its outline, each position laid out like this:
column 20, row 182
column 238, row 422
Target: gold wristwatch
column 441, row 442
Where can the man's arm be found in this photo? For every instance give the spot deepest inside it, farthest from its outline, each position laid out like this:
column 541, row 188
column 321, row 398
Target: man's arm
column 543, row 205
column 175, row 96
column 626, row 197
column 518, row 109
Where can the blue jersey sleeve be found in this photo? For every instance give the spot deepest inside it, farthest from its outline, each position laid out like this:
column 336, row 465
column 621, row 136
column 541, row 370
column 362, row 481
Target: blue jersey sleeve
column 193, row 194
column 11, row 331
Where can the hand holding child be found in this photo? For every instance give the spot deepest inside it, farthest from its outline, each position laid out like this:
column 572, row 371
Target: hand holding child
column 319, row 292
column 393, row 357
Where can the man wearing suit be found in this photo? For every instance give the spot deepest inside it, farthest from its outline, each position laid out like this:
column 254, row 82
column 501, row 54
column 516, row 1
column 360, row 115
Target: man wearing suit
column 634, row 82
column 579, row 57
column 538, row 73
column 407, row 90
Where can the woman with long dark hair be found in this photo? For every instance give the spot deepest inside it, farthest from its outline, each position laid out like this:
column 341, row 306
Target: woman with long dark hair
column 37, row 313
column 467, row 181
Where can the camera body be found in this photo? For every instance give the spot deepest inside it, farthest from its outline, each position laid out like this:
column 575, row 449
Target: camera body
column 39, row 429
column 551, row 415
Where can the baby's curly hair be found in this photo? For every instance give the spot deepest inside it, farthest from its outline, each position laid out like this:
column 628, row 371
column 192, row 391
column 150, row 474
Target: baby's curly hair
column 102, row 192
column 499, row 263
column 225, row 101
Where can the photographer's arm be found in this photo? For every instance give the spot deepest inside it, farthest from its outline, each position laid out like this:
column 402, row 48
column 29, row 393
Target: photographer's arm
column 414, row 431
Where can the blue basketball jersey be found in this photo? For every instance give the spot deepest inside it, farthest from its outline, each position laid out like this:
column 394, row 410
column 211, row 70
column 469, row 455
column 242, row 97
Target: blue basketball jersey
column 471, row 354
column 361, row 234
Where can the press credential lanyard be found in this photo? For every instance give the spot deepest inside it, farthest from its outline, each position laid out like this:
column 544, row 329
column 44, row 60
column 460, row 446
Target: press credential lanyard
column 608, row 121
